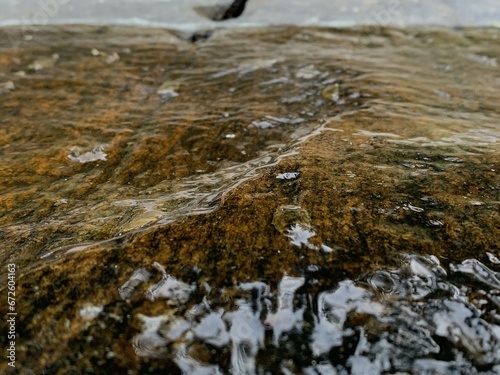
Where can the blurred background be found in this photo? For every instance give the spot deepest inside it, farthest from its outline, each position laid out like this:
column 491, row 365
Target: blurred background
column 180, row 14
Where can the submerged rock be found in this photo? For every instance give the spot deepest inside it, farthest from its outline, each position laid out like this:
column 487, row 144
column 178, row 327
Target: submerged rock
column 127, row 253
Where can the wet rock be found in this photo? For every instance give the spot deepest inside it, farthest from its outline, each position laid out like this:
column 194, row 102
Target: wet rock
column 376, row 179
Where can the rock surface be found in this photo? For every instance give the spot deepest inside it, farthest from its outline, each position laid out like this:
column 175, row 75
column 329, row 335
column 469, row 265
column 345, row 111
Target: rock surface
column 406, row 160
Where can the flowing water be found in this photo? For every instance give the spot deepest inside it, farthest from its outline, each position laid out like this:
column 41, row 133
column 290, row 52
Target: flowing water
column 275, row 200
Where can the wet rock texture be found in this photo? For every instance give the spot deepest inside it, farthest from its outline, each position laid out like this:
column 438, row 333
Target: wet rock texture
column 105, row 131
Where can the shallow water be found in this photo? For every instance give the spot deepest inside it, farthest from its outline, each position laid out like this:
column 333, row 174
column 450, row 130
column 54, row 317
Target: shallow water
column 415, row 319
column 297, row 200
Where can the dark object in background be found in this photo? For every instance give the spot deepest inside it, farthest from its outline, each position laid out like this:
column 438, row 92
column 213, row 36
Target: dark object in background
column 222, row 12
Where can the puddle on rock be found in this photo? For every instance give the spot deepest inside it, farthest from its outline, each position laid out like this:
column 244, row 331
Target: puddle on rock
column 241, row 204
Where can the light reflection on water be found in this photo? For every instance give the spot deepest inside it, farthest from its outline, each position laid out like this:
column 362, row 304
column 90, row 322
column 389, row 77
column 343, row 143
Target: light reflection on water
column 418, row 318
